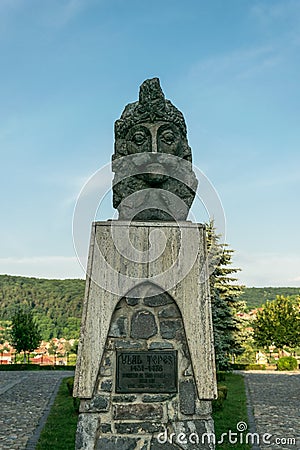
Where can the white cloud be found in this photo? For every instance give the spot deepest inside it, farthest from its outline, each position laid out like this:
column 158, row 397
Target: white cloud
column 67, row 10
column 238, row 64
column 268, row 269
column 59, row 267
column 70, row 10
column 279, row 46
column 260, row 269
column 268, row 12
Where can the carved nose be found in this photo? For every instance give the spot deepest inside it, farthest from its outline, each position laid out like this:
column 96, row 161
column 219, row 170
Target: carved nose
column 154, row 144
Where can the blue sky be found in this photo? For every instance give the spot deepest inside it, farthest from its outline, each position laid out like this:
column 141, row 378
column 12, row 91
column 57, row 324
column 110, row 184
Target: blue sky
column 68, row 68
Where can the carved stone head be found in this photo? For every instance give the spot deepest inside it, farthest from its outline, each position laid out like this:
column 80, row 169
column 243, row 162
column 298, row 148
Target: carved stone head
column 153, row 179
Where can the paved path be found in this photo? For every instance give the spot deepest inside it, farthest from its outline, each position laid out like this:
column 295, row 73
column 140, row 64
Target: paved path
column 24, row 397
column 275, row 401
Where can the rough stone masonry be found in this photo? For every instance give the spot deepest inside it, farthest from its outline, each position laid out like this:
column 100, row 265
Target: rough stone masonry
column 145, row 373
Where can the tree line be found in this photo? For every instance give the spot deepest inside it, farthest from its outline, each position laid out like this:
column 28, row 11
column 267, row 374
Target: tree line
column 258, row 296
column 56, row 304
column 53, row 307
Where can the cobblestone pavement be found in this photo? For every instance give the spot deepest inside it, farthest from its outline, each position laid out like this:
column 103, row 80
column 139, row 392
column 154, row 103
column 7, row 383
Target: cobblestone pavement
column 24, row 397
column 275, row 400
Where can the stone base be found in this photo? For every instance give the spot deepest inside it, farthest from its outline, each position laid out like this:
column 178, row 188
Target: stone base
column 147, row 321
column 195, row 434
column 144, row 412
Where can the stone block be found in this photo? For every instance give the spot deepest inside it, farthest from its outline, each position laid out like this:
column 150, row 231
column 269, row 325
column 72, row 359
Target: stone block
column 106, row 369
column 168, row 328
column 143, row 325
column 160, row 345
column 173, row 410
column 86, row 430
column 197, row 433
column 116, row 443
column 138, row 427
column 106, row 386
column 137, row 411
column 187, row 397
column 127, row 344
column 124, row 398
column 158, row 300
column 105, row 428
column 118, row 327
column 132, row 301
column 99, row 403
column 148, row 398
column 165, row 446
column 203, row 408
column 171, row 312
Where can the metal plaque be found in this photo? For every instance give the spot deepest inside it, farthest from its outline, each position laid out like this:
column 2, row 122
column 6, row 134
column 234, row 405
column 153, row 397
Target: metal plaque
column 146, row 371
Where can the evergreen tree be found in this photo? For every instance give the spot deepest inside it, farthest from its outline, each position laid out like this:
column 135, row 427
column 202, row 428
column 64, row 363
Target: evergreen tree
column 25, row 335
column 228, row 327
column 278, row 323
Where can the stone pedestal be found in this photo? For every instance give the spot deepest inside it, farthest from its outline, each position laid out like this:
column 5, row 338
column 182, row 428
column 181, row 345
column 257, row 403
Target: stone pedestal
column 145, row 373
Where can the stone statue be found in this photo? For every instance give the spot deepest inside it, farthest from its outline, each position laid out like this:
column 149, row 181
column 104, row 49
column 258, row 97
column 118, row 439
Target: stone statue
column 145, row 370
column 154, row 179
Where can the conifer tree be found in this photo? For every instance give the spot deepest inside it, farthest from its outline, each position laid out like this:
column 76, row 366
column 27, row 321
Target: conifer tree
column 225, row 291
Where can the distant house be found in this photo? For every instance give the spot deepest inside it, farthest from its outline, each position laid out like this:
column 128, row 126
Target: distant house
column 45, row 360
column 5, row 357
column 52, row 353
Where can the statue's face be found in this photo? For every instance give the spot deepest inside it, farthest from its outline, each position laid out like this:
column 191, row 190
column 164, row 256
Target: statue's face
column 160, row 137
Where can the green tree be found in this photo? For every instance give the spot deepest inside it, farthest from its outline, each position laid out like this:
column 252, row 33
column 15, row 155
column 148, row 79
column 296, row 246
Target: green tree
column 52, row 349
column 4, row 331
column 278, row 323
column 53, row 302
column 229, row 333
column 25, row 335
column 72, row 328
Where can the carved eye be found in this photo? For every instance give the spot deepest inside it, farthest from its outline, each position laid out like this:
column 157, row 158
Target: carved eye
column 139, row 137
column 168, row 137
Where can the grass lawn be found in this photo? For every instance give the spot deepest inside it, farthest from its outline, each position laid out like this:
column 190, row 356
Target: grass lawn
column 59, row 431
column 233, row 412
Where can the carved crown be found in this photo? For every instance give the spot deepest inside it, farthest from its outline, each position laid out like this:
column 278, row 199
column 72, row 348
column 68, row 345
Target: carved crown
column 151, row 107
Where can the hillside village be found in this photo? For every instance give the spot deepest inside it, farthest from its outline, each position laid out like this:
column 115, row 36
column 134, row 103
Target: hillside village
column 55, row 352
column 61, row 351
column 57, row 305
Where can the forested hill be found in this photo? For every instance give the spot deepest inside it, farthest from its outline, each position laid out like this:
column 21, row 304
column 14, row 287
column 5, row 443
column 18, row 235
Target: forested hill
column 57, row 304
column 255, row 297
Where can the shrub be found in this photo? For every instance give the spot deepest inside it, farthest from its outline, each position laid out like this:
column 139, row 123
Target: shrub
column 256, row 367
column 221, row 376
column 248, row 366
column 76, row 401
column 238, row 366
column 76, row 404
column 56, row 367
column 287, row 363
column 222, row 394
column 70, row 385
column 12, row 367
column 222, row 391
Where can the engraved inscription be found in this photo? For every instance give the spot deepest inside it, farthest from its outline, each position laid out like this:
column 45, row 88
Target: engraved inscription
column 147, row 371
